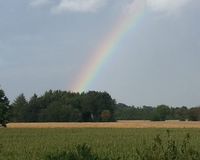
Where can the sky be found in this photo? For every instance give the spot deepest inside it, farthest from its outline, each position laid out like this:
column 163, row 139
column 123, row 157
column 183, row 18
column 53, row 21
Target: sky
column 46, row 44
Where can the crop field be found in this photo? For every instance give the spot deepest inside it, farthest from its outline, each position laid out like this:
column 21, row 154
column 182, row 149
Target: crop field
column 36, row 143
column 119, row 124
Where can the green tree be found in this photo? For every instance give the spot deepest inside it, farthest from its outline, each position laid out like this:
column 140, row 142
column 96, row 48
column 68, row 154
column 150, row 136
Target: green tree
column 194, row 114
column 34, row 108
column 57, row 112
column 19, row 109
column 4, row 108
column 181, row 113
column 93, row 103
column 161, row 113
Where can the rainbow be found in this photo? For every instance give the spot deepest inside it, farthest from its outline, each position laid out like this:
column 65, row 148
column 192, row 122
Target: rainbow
column 107, row 48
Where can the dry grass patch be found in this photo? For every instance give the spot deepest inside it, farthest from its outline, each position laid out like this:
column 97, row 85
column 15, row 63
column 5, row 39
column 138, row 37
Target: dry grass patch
column 119, row 124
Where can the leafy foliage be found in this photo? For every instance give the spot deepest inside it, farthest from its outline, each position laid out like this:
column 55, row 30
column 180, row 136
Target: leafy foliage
column 81, row 152
column 167, row 150
column 194, row 114
column 93, row 106
column 62, row 106
column 4, row 107
column 159, row 113
column 19, row 109
column 160, row 149
column 107, row 142
column 1, row 147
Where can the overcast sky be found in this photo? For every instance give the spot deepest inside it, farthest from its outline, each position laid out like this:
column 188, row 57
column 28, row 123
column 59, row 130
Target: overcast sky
column 44, row 44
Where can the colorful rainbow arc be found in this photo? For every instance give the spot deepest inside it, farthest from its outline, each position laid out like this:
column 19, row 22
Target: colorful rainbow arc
column 108, row 47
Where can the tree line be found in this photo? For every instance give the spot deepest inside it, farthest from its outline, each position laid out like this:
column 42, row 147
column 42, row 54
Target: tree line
column 158, row 113
column 63, row 106
column 93, row 106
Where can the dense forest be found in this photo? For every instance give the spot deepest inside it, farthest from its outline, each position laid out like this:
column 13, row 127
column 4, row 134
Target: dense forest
column 59, row 106
column 93, row 106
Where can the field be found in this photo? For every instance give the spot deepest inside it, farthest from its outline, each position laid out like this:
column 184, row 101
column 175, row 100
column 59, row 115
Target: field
column 35, row 143
column 119, row 124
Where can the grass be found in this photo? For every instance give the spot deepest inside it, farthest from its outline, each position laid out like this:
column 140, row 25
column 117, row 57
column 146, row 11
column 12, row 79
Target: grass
column 160, row 149
column 36, row 144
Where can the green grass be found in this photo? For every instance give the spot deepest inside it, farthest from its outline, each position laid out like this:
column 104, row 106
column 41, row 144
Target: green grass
column 35, row 144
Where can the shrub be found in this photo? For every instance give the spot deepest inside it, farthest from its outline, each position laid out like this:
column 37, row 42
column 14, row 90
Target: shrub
column 1, row 147
column 160, row 149
column 81, row 152
column 170, row 150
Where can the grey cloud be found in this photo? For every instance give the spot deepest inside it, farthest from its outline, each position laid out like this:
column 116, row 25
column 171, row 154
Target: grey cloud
column 167, row 6
column 38, row 3
column 78, row 5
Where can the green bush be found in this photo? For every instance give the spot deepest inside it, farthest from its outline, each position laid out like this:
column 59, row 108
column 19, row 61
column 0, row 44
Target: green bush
column 169, row 150
column 1, row 147
column 81, row 152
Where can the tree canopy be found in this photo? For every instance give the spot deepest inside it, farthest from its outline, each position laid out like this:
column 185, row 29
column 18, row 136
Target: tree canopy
column 62, row 106
column 4, row 107
column 92, row 106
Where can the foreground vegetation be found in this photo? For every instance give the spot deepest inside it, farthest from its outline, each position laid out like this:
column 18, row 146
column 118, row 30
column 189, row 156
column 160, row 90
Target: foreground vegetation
column 126, row 144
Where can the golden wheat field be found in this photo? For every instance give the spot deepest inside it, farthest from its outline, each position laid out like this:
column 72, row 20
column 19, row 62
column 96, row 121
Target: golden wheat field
column 119, row 124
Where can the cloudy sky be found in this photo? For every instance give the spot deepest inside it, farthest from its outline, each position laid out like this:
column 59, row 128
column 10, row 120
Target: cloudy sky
column 44, row 45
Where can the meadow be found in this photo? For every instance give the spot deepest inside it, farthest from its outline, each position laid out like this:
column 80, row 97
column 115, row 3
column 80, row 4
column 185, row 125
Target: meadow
column 36, row 143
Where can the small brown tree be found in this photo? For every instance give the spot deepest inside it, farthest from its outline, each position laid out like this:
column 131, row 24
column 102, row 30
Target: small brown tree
column 105, row 115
